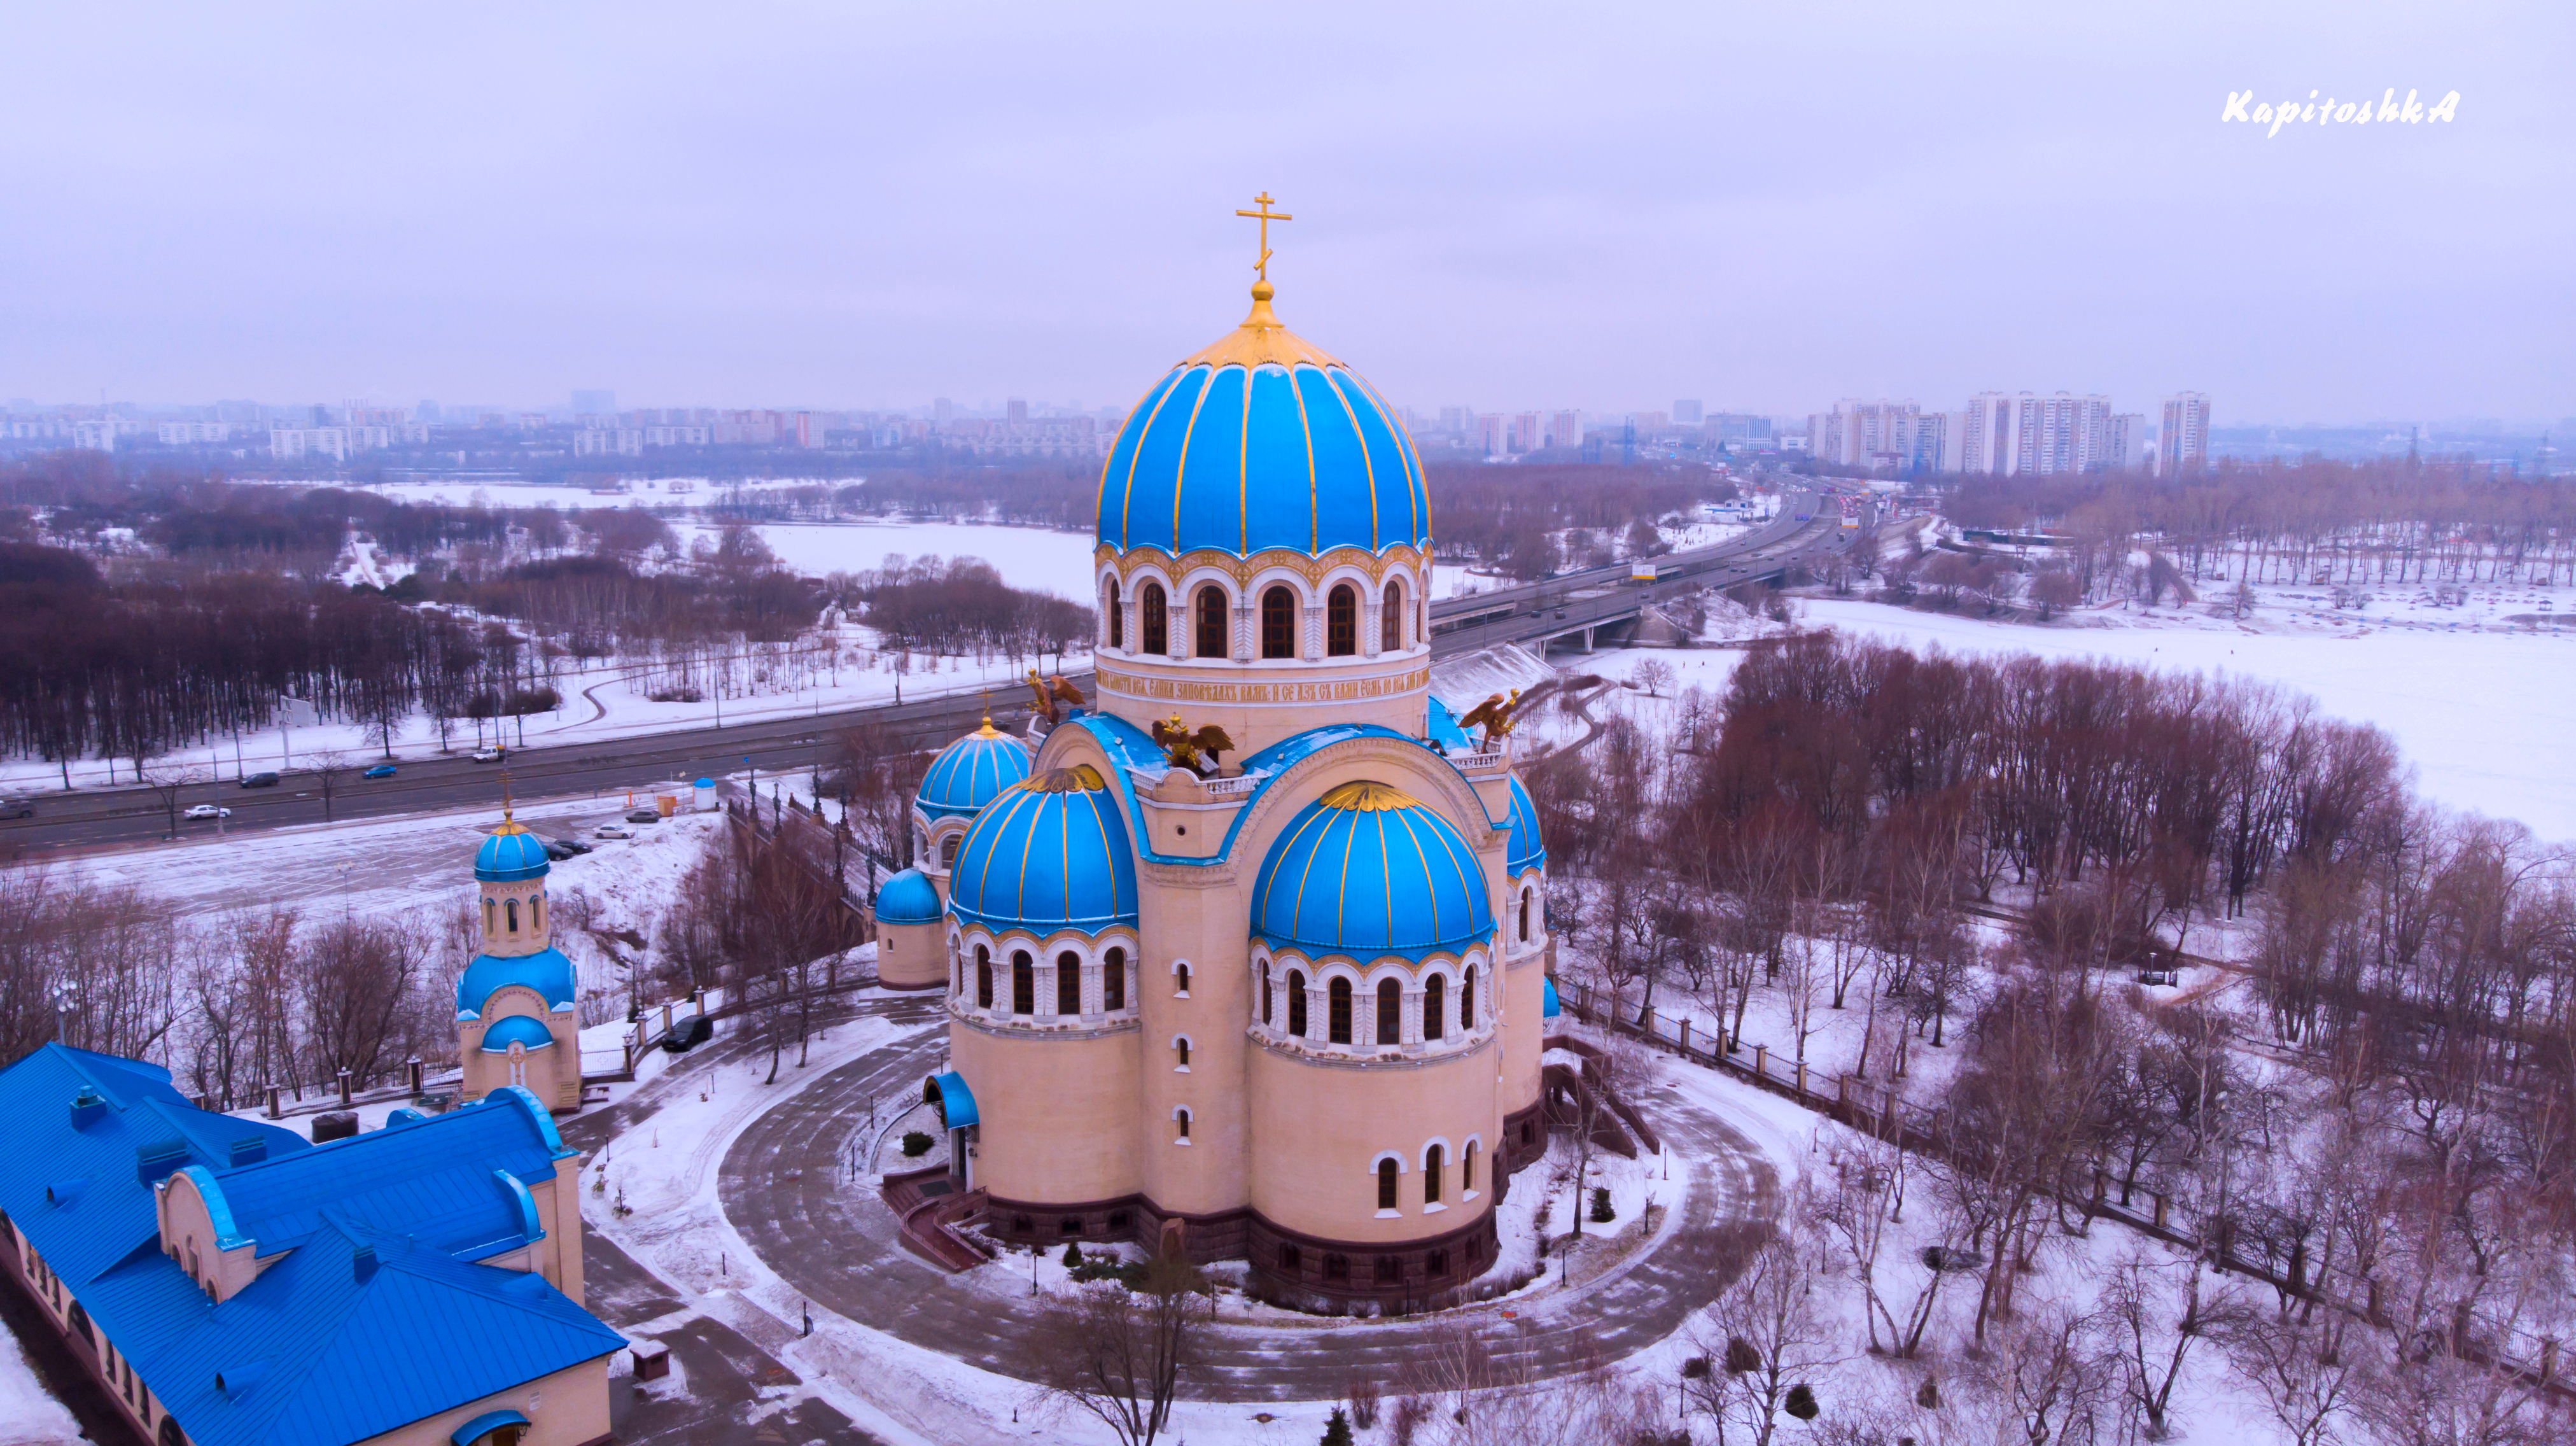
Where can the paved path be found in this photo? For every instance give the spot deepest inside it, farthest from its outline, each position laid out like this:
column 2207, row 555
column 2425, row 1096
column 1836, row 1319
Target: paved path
column 836, row 1244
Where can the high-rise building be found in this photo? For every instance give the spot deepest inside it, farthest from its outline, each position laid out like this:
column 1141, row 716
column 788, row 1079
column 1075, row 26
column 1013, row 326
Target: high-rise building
column 1686, row 414
column 2182, row 443
column 2001, row 433
column 1015, row 410
column 1565, row 429
column 1525, row 432
column 1492, row 434
column 2128, row 440
column 1865, row 434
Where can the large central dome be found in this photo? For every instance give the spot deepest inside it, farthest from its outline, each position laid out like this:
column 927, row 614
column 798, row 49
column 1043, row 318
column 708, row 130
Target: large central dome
column 1262, row 441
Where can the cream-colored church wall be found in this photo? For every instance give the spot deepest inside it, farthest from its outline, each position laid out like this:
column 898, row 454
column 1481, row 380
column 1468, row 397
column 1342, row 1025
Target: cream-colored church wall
column 1193, row 916
column 1058, row 1111
column 1261, row 702
column 492, row 914
column 565, row 1408
column 554, row 1073
column 1318, row 1131
column 912, row 956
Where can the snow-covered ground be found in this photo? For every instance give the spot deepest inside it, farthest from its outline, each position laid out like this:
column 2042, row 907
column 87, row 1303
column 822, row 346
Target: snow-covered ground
column 1028, row 557
column 29, row 1416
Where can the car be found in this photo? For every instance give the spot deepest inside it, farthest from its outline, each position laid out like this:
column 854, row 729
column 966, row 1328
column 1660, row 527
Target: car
column 645, row 815
column 574, row 844
column 206, row 810
column 260, row 780
column 16, row 808
column 381, row 770
column 560, row 849
column 487, row 755
column 612, row 830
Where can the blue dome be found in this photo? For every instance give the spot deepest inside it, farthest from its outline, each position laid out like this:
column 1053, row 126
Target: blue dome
column 510, row 855
column 1525, row 851
column 517, row 1029
column 1549, row 1008
column 908, row 898
column 972, row 772
column 1262, row 441
column 1368, row 871
column 1052, row 853
column 546, row 971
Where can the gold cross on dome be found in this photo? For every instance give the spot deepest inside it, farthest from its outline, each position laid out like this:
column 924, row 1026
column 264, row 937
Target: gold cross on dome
column 1265, row 215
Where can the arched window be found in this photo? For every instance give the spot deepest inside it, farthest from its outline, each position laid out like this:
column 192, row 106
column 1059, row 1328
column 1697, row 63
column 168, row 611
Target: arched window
column 171, row 1435
column 1068, row 983
column 537, row 913
column 1390, row 1012
column 1181, row 979
column 1024, row 983
column 1265, row 996
column 1150, row 620
column 1296, row 1004
column 1181, row 1052
column 1386, row 1184
column 510, row 907
column 1467, row 1169
column 1431, row 1172
column 1117, row 618
column 983, row 977
column 1181, row 1120
column 1467, row 1001
column 1337, row 1015
column 948, row 852
column 956, row 974
column 488, row 920
column 1211, row 620
column 1525, row 903
column 1342, row 621
column 1278, row 623
column 1391, row 619
column 1435, row 997
column 1113, row 980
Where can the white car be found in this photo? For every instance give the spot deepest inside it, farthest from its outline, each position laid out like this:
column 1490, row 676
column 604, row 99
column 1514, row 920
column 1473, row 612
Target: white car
column 206, row 810
column 613, row 830
column 487, row 755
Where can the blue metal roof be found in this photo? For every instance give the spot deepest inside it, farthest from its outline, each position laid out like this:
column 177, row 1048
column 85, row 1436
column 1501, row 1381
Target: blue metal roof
column 484, row 1425
column 1367, row 871
column 1550, row 1009
column 546, row 971
column 956, row 1102
column 510, row 855
column 908, row 898
column 1442, row 727
column 326, row 1345
column 972, row 772
column 517, row 1029
column 1304, row 457
column 1525, row 851
column 1050, row 854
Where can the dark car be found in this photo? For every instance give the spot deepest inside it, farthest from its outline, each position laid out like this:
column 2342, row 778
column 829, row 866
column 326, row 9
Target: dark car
column 260, row 780
column 569, row 845
column 381, row 770
column 16, row 808
column 644, row 815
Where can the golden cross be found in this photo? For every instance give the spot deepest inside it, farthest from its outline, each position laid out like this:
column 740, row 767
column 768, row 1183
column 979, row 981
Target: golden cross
column 1265, row 216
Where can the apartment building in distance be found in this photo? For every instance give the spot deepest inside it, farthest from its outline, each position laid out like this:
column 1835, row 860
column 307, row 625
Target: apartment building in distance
column 2182, row 443
column 2008, row 433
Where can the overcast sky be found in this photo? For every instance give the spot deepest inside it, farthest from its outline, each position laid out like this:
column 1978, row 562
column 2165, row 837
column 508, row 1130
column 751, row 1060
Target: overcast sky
column 1761, row 206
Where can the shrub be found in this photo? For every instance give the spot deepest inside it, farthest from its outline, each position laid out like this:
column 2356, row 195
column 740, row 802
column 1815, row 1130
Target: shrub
column 1741, row 1356
column 1695, row 1369
column 1411, row 1413
column 1801, row 1402
column 1364, row 1399
column 915, row 1144
column 1929, row 1398
column 1072, row 1255
column 1601, row 1212
column 1337, row 1432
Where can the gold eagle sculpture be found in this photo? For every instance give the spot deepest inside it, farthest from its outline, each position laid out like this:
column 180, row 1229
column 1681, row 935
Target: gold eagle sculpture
column 1494, row 715
column 1186, row 748
column 1050, row 692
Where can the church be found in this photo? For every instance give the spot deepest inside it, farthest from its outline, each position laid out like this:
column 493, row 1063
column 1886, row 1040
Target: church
column 1248, row 958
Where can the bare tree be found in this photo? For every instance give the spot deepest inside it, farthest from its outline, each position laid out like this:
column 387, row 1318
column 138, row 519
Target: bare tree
column 2156, row 1340
column 1120, row 1355
column 327, row 765
column 167, row 781
column 1764, row 1337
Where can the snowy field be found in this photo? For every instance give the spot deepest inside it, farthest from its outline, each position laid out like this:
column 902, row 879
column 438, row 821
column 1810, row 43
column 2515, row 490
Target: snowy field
column 1028, row 557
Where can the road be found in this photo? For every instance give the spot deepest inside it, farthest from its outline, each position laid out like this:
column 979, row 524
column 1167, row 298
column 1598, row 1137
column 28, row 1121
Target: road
column 1529, row 612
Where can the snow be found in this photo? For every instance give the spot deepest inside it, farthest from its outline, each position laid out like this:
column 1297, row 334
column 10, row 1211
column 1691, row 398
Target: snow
column 1027, row 557
column 29, row 1416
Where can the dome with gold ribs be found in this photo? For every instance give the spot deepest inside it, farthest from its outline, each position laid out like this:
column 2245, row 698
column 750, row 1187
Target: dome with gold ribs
column 1367, row 871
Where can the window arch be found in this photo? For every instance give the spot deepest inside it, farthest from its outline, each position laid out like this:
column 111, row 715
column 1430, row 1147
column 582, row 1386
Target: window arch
column 1386, row 1170
column 1117, row 618
column 983, row 977
column 1467, row 1170
column 1181, row 978
column 1297, row 1003
column 1431, row 1173
column 1180, row 1053
column 537, row 913
column 510, row 907
column 1150, row 619
column 1181, row 1124
column 1337, row 1016
column 948, row 852
column 1278, row 622
column 1024, row 983
column 1265, row 994
column 1435, row 1000
column 1467, row 1001
column 1390, row 1012
column 1211, row 623
column 1342, row 621
column 1525, row 908
column 1391, row 618
column 1113, row 980
column 489, row 907
column 1068, row 983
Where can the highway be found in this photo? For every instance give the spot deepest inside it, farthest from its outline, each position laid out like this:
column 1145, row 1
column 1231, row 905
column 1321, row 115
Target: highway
column 1569, row 603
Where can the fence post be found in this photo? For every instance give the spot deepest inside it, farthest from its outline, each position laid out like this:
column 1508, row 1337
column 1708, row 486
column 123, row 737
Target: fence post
column 344, row 1089
column 2159, row 1197
column 1761, row 1061
column 1686, row 1036
column 274, row 1112
column 412, row 1073
column 2548, row 1358
column 1802, row 1078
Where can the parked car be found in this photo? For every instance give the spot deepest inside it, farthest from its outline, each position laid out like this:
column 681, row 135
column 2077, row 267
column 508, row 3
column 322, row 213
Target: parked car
column 260, row 780
column 206, row 810
column 17, row 808
column 612, row 830
column 571, row 845
column 487, row 755
column 381, row 770
column 645, row 815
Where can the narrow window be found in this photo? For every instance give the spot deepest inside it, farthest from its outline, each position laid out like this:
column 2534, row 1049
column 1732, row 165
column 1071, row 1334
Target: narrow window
column 1467, row 1168
column 1290, row 1257
column 1182, row 1119
column 1113, row 980
column 1181, row 979
column 1278, row 623
column 948, row 852
column 1391, row 619
column 1435, row 1262
column 956, row 974
column 1024, row 984
column 1150, row 619
column 1181, row 1052
column 511, row 908
column 1525, row 902
column 487, row 916
column 1297, row 1004
column 1265, row 996
column 537, row 913
column 983, row 977
column 1337, row 1017
column 1435, row 992
column 1390, row 1012
column 1342, row 621
column 1337, row 1266
column 1211, row 639
column 1117, row 618
column 1467, row 1001
column 1386, row 1184
column 1431, row 1173
column 1068, row 983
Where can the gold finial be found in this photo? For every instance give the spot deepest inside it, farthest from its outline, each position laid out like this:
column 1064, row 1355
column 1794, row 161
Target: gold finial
column 1261, row 288
column 506, row 803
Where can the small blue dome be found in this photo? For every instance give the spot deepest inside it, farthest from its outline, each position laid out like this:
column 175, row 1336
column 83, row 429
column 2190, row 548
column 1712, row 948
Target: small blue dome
column 1052, row 853
column 510, row 855
column 972, row 772
column 517, row 1029
column 1550, row 1009
column 1262, row 441
column 1525, row 851
column 1367, row 871
column 546, row 971
column 908, row 898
